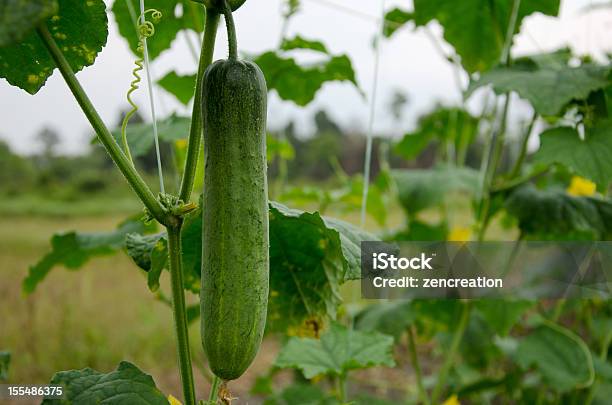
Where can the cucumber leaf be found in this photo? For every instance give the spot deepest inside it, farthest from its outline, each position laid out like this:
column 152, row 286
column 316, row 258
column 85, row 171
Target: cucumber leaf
column 299, row 42
column 74, row 249
column 396, row 19
column 19, row 17
column 548, row 87
column 80, row 29
column 176, row 15
column 180, row 86
column 561, row 357
column 127, row 385
column 477, row 28
column 390, row 318
column 338, row 351
column 588, row 158
column 554, row 215
column 300, row 84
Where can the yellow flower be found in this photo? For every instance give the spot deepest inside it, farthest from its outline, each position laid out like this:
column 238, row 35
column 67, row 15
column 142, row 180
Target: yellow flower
column 173, row 401
column 581, row 187
column 459, row 234
column 452, row 400
column 181, row 143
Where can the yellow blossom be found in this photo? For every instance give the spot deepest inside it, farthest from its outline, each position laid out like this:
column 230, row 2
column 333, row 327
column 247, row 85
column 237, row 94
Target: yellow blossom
column 173, row 401
column 459, row 234
column 452, row 400
column 581, row 187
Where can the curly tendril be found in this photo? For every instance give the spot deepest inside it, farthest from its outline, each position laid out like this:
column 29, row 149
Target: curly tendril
column 146, row 29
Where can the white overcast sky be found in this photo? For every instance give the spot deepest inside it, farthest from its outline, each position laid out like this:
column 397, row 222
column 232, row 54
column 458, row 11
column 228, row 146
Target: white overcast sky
column 409, row 62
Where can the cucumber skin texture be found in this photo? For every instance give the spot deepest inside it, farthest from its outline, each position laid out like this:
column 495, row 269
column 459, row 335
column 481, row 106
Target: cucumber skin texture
column 235, row 263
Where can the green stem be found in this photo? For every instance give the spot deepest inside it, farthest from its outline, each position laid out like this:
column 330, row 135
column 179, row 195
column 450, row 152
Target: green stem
column 231, row 31
column 497, row 147
column 518, row 165
column 114, row 150
column 195, row 131
column 452, row 353
column 414, row 358
column 214, row 389
column 179, row 312
column 342, row 388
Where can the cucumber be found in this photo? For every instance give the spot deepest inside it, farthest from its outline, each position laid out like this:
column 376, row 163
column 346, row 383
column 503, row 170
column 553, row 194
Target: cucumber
column 235, row 265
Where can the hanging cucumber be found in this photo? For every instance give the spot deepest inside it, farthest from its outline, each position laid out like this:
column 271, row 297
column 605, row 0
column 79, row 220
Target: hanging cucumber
column 235, row 266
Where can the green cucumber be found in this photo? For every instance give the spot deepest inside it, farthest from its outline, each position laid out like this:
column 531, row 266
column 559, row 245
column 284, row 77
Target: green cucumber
column 235, row 265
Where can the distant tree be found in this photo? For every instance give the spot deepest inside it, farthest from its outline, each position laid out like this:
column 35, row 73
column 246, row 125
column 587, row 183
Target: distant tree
column 49, row 138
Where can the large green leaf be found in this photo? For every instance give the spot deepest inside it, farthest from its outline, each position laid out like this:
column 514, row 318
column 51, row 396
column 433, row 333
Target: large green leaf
column 299, row 42
column 442, row 124
column 390, row 318
column 180, row 86
column 5, row 362
column 423, row 188
column 140, row 136
column 126, row 385
column 588, row 158
column 477, row 28
column 396, row 19
column 74, row 249
column 555, row 215
column 176, row 15
column 549, row 87
column 502, row 315
column 80, row 31
column 338, row 351
column 310, row 257
column 19, row 17
column 559, row 355
column 300, row 83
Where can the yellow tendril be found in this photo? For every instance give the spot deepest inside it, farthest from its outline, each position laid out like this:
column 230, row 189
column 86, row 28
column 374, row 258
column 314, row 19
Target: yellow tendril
column 146, row 29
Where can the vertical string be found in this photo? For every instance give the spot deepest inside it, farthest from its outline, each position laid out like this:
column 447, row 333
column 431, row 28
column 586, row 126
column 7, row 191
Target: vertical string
column 369, row 134
column 152, row 103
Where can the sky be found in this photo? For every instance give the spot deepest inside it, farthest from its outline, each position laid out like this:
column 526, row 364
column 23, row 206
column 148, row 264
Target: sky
column 409, row 62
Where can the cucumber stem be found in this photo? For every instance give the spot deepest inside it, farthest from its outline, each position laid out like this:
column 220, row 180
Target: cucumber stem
column 114, row 150
column 196, row 128
column 179, row 312
column 231, row 31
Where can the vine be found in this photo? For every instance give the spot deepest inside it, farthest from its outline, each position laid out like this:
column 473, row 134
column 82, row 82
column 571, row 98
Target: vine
column 146, row 29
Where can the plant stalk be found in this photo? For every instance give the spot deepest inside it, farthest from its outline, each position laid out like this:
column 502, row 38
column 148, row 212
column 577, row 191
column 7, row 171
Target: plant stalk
column 414, row 358
column 231, row 31
column 214, row 389
column 179, row 312
column 452, row 353
column 518, row 165
column 114, row 150
column 197, row 127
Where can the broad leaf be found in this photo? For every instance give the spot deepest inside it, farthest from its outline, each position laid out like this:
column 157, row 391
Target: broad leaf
column 548, row 87
column 559, row 355
column 80, row 30
column 588, row 158
column 140, row 136
column 502, row 315
column 338, row 351
column 298, row 42
column 396, row 19
column 150, row 253
column 180, row 86
column 310, row 257
column 477, row 28
column 390, row 318
column 443, row 125
column 126, row 385
column 300, row 83
column 554, row 215
column 19, row 17
column 72, row 250
column 423, row 188
column 176, row 15
column 5, row 362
